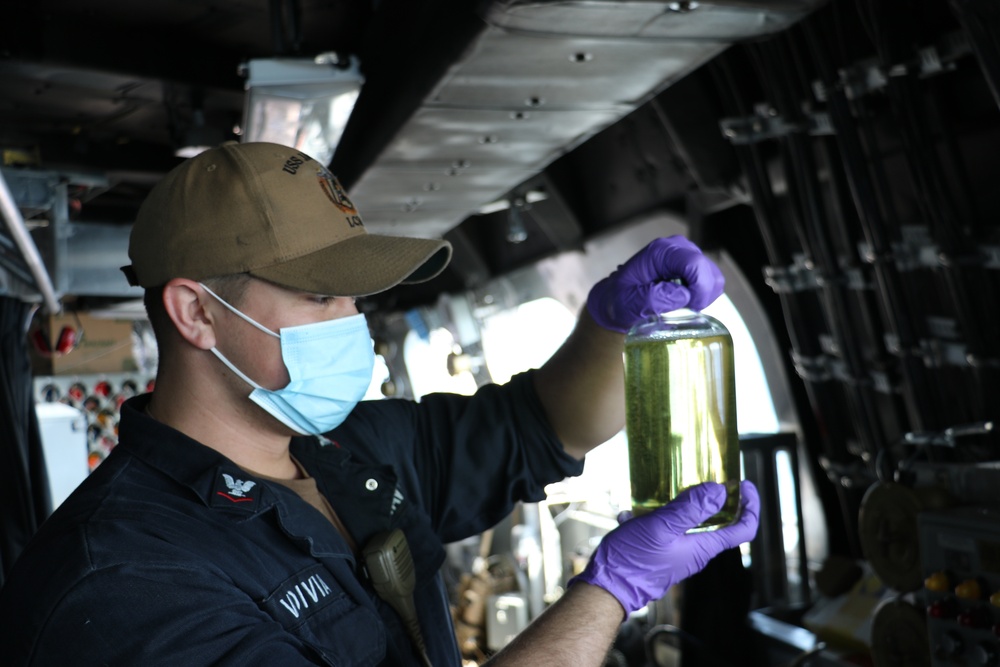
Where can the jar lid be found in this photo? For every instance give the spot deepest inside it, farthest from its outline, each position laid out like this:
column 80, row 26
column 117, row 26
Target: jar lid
column 680, row 323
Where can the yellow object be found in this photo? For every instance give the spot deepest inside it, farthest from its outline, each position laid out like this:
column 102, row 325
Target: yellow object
column 21, row 157
column 969, row 590
column 845, row 621
column 937, row 582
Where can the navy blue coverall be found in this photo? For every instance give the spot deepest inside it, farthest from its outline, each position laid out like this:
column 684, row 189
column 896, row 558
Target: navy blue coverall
column 159, row 558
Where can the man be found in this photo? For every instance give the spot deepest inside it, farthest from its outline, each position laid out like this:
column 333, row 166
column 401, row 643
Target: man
column 233, row 523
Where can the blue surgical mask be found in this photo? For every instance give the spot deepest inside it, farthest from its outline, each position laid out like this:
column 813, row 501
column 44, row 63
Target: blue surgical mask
column 330, row 368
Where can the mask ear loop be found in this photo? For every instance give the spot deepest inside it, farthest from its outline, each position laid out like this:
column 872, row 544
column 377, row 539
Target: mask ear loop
column 221, row 357
column 243, row 376
column 236, row 312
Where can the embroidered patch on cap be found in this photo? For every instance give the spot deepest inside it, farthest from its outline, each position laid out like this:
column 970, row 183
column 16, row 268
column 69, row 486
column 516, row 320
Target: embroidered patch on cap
column 233, row 491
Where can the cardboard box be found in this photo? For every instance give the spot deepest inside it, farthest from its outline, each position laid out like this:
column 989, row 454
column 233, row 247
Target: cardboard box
column 105, row 346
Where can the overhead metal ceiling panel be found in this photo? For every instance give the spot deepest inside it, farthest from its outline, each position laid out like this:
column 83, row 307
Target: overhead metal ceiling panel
column 439, row 189
column 517, row 70
column 723, row 21
column 490, row 137
column 541, row 78
column 421, row 222
column 38, row 96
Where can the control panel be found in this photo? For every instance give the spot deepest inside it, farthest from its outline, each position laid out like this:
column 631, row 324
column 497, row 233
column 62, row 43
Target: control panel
column 99, row 397
column 960, row 555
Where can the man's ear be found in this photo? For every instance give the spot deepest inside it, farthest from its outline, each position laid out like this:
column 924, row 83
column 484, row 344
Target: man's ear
column 186, row 304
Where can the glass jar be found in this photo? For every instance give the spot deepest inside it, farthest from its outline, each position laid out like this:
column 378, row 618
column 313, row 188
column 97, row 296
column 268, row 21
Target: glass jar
column 680, row 392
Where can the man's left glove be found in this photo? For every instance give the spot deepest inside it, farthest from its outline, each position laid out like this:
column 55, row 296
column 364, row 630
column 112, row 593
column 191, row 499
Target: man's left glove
column 642, row 287
column 640, row 559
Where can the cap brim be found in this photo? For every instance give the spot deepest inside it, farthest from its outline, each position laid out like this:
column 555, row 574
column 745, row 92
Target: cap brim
column 361, row 265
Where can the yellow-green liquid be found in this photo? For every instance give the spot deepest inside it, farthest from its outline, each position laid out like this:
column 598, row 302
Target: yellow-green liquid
column 681, row 421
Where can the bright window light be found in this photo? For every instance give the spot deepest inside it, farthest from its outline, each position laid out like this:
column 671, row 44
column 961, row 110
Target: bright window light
column 755, row 411
column 380, row 374
column 427, row 365
column 525, row 337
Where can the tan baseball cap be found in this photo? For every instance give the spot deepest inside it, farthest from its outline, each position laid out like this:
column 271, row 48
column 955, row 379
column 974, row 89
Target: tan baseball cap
column 275, row 213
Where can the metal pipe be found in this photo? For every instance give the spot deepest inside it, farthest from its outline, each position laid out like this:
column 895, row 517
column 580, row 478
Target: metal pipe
column 811, row 226
column 974, row 18
column 797, row 318
column 938, row 204
column 19, row 232
column 917, row 390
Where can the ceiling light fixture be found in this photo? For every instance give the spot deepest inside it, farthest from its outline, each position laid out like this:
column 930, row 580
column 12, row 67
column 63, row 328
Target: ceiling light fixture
column 302, row 103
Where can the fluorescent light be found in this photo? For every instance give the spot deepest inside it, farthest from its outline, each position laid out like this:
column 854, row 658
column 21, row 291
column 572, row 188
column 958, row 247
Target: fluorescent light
column 191, row 150
column 302, row 103
column 199, row 137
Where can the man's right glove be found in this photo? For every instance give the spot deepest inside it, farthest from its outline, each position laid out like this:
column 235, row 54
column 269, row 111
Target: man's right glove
column 640, row 559
column 643, row 286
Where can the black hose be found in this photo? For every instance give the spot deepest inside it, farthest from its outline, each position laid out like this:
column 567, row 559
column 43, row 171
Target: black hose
column 819, row 393
column 278, row 27
column 922, row 406
column 673, row 631
column 286, row 26
column 943, row 216
column 803, row 184
column 982, row 31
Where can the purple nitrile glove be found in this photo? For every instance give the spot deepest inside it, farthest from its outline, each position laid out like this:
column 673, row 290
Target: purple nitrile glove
column 640, row 559
column 642, row 287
